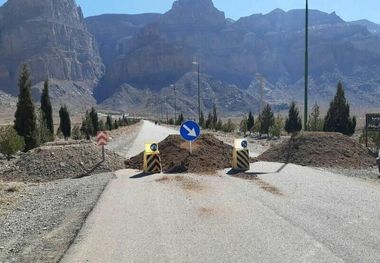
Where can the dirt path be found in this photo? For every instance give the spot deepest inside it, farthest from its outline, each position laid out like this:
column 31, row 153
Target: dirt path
column 296, row 215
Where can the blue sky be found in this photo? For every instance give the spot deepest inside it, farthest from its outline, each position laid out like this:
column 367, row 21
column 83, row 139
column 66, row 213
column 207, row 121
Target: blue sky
column 347, row 9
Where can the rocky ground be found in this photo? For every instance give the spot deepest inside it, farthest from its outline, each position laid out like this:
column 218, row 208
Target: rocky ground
column 46, row 217
column 60, row 160
column 319, row 149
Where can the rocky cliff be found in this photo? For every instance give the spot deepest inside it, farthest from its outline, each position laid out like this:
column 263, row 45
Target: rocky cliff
column 159, row 52
column 51, row 37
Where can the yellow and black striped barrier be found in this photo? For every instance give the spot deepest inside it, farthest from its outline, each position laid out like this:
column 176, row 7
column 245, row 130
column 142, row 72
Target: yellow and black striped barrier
column 240, row 156
column 152, row 160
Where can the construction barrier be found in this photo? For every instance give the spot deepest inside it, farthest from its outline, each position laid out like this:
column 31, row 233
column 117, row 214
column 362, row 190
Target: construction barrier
column 240, row 155
column 152, row 160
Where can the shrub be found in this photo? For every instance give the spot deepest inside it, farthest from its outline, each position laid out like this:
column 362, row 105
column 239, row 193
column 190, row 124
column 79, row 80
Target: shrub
column 10, row 141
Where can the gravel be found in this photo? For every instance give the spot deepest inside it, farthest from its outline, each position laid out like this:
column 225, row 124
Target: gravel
column 47, row 218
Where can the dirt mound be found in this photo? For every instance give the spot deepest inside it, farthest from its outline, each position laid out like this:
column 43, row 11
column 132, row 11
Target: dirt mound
column 60, row 160
column 209, row 155
column 320, row 149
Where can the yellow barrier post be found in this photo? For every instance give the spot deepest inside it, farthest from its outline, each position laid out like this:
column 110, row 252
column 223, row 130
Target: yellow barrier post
column 240, row 155
column 152, row 160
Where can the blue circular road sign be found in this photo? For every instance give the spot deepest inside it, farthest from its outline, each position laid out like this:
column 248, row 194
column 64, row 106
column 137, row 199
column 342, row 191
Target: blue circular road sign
column 190, row 131
column 244, row 144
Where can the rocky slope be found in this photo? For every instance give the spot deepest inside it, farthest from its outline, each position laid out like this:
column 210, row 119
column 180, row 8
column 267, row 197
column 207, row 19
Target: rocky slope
column 229, row 99
column 157, row 53
column 51, row 37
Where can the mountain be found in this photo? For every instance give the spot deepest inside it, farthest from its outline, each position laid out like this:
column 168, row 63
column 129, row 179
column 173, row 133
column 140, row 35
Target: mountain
column 229, row 99
column 159, row 51
column 52, row 38
column 372, row 27
column 127, row 62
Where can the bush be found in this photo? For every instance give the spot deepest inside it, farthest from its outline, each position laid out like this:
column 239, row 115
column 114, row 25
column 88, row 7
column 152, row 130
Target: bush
column 10, row 141
column 276, row 129
column 228, row 126
column 76, row 133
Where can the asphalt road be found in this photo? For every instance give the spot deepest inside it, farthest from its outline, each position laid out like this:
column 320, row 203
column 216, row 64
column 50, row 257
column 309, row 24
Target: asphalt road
column 288, row 214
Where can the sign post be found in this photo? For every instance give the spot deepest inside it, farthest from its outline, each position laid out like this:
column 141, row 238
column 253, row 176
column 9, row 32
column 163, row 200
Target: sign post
column 102, row 139
column 190, row 131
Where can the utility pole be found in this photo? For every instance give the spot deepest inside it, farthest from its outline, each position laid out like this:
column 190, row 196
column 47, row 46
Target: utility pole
column 306, row 62
column 260, row 79
column 199, row 90
column 175, row 102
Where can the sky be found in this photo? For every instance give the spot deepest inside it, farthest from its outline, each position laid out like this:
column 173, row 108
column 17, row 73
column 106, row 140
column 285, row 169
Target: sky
column 349, row 10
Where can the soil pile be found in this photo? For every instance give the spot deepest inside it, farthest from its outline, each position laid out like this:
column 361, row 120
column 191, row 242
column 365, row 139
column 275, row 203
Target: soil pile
column 60, row 160
column 209, row 155
column 320, row 149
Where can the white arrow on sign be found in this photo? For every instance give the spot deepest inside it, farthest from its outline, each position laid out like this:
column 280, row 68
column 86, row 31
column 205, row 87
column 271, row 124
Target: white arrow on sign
column 192, row 132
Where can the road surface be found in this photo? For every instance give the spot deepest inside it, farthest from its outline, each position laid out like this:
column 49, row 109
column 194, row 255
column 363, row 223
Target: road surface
column 289, row 214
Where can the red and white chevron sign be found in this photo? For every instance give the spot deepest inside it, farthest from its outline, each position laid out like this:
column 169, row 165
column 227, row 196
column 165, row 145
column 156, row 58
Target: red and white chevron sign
column 102, row 138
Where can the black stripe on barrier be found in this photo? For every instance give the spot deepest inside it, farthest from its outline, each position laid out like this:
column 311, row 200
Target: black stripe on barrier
column 153, row 163
column 243, row 159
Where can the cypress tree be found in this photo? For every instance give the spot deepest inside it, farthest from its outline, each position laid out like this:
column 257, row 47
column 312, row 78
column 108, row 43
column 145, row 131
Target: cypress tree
column 46, row 108
column 202, row 120
column 94, row 121
column 293, row 123
column 109, row 123
column 180, row 119
column 214, row 117
column 338, row 116
column 266, row 119
column 65, row 122
column 25, row 116
column 209, row 121
column 250, row 122
column 86, row 127
column 315, row 122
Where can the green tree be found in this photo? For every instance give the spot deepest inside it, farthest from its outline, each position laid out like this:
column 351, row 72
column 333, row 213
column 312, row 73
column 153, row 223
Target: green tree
column 76, row 133
column 44, row 134
column 46, row 108
column 214, row 116
column 25, row 116
column 10, row 141
column 65, row 122
column 276, row 129
column 116, row 125
column 338, row 116
column 180, row 119
column 293, row 123
column 250, row 122
column 171, row 121
column 208, row 124
column 86, row 128
column 109, row 123
column 202, row 120
column 315, row 122
column 101, row 125
column 266, row 119
column 229, row 126
column 219, row 125
column 244, row 126
column 95, row 121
